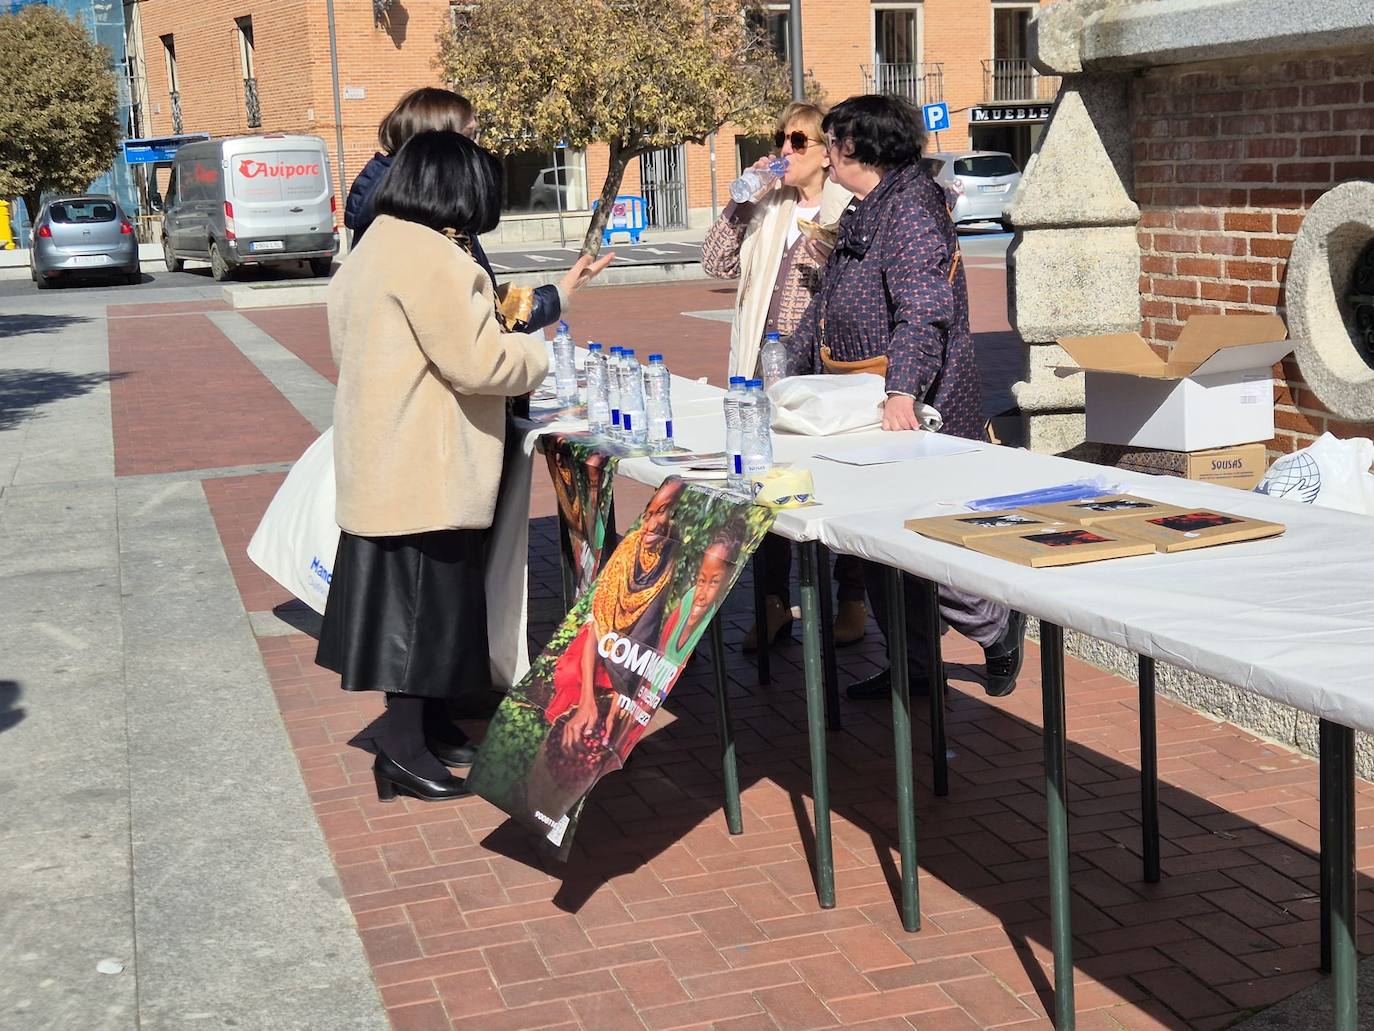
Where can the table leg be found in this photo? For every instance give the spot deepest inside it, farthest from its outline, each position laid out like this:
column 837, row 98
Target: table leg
column 1057, row 820
column 725, row 728
column 901, row 744
column 1337, row 746
column 761, row 636
column 815, row 723
column 1149, row 772
column 832, row 674
column 939, row 749
column 565, row 563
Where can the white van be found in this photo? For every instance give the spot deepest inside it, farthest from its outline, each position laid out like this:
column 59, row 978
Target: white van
column 252, row 200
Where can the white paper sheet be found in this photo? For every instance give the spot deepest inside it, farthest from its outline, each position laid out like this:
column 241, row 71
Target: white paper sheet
column 903, row 447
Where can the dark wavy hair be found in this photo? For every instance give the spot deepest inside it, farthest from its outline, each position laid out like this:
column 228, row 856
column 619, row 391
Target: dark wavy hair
column 444, row 181
column 881, row 131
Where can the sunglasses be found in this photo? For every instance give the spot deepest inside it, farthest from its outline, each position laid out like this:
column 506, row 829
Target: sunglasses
column 797, row 138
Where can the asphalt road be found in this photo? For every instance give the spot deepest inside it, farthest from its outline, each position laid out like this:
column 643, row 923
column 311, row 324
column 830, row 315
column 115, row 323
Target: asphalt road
column 160, row 279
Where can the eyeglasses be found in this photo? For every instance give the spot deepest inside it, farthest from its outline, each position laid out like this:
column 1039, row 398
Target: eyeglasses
column 797, row 138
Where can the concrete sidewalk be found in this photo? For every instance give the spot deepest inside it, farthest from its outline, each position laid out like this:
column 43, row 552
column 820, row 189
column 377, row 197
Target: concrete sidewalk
column 163, row 867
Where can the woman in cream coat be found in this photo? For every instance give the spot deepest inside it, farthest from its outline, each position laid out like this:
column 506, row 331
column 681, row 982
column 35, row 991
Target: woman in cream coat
column 425, row 369
column 779, row 272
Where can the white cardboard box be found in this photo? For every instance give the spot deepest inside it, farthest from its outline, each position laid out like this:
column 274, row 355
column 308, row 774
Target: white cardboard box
column 1215, row 388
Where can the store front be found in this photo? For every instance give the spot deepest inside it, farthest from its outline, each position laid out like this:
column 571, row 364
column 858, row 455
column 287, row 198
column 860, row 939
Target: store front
column 1012, row 128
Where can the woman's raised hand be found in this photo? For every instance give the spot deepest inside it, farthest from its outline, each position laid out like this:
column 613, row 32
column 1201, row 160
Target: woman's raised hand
column 583, row 271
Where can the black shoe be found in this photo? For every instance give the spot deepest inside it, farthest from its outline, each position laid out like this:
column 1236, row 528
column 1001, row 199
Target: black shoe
column 879, row 686
column 1003, row 657
column 447, row 741
column 451, row 754
column 394, row 779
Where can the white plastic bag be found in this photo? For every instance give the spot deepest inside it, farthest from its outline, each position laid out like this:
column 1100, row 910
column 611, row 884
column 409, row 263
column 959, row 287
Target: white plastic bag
column 297, row 539
column 817, row 406
column 1331, row 472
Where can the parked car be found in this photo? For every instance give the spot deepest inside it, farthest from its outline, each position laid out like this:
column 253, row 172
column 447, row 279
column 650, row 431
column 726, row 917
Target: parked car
column 557, row 189
column 82, row 235
column 252, row 200
column 979, row 184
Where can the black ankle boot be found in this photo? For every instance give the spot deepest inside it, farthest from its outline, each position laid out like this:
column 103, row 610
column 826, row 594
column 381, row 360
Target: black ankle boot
column 452, row 753
column 879, row 686
column 394, row 779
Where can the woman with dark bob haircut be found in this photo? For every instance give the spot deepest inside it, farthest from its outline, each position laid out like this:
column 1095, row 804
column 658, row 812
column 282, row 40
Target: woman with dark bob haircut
column 425, row 369
column 894, row 301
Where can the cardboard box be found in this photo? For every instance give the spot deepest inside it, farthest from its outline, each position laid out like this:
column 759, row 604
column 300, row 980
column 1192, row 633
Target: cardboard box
column 1214, row 389
column 1109, row 509
column 962, row 528
column 1242, row 466
column 1064, row 546
column 1196, row 528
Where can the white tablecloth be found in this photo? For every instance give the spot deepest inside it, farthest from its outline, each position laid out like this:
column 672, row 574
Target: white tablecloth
column 1290, row 618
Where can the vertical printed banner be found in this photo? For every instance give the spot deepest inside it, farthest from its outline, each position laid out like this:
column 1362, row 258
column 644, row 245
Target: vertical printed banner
column 583, row 472
column 591, row 694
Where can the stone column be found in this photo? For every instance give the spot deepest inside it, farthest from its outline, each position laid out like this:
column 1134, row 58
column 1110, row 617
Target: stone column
column 1074, row 267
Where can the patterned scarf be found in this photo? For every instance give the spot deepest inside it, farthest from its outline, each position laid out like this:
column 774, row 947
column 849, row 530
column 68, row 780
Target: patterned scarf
column 631, row 581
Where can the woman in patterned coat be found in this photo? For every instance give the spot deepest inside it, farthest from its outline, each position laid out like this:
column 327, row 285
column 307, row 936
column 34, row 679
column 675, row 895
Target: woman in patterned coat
column 893, row 300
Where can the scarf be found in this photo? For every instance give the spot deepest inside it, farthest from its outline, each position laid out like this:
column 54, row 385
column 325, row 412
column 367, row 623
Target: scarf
column 633, row 579
column 760, row 258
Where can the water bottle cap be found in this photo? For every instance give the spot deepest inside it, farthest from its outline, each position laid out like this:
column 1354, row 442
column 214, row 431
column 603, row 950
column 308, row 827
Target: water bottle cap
column 656, row 358
column 562, row 326
column 627, row 351
column 773, row 336
column 592, row 345
column 737, row 380
column 755, row 384
column 615, row 349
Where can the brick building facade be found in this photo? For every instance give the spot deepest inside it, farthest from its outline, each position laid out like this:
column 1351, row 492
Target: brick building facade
column 229, row 67
column 1227, row 161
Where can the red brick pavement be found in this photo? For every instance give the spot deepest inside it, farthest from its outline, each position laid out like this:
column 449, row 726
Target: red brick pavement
column 303, row 331
column 663, row 920
column 183, row 397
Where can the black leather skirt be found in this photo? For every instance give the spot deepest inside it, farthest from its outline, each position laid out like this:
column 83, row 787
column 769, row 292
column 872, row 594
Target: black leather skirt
column 408, row 615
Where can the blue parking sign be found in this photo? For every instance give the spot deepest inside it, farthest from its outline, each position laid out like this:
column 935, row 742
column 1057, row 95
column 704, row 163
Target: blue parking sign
column 937, row 116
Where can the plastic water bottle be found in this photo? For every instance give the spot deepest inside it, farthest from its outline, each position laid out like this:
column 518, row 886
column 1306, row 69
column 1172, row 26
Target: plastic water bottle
column 634, row 429
column 773, row 359
column 756, row 433
column 658, row 405
column 598, row 390
column 753, row 181
column 734, row 450
column 613, row 391
column 564, row 366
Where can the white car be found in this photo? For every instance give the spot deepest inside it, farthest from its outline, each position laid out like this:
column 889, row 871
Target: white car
column 979, row 184
column 557, row 189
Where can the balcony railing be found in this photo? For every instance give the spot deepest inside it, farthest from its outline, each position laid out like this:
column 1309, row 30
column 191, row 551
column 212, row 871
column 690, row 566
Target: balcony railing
column 251, row 103
column 176, row 112
column 917, row 83
column 1008, row 80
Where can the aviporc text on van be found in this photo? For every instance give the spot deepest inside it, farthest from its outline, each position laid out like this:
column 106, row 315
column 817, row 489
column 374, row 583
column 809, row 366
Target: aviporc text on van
column 251, row 200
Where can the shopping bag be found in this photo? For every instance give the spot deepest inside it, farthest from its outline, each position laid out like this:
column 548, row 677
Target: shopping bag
column 1331, row 472
column 817, row 406
column 297, row 539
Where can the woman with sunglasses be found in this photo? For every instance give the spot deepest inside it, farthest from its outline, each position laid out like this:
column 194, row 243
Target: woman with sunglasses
column 762, row 244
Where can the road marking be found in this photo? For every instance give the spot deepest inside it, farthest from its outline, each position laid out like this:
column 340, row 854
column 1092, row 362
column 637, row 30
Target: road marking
column 538, row 257
column 500, row 268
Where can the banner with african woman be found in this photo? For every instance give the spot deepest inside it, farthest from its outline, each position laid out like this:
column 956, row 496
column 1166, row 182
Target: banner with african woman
column 591, row 694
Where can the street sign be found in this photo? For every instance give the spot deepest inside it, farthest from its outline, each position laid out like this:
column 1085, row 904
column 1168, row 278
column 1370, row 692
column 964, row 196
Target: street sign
column 158, row 149
column 937, row 116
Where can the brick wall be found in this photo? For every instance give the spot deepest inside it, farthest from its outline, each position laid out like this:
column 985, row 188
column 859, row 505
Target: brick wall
column 1227, row 160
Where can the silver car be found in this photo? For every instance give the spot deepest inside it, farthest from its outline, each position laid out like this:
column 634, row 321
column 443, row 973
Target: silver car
column 978, row 184
column 73, row 235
